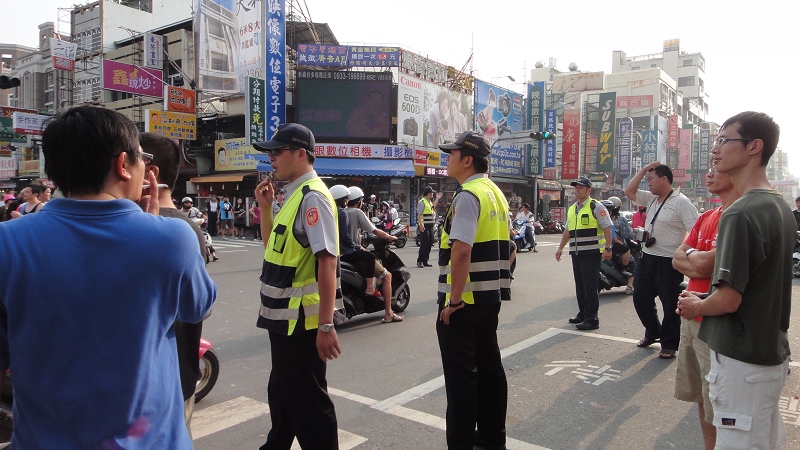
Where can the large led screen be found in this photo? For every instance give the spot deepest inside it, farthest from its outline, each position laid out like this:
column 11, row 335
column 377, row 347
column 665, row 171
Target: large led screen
column 345, row 105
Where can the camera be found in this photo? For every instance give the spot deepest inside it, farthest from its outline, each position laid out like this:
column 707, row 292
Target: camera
column 504, row 105
column 650, row 241
column 410, row 127
column 502, row 127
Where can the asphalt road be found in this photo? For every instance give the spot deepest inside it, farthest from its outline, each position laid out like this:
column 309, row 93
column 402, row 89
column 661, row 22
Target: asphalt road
column 567, row 389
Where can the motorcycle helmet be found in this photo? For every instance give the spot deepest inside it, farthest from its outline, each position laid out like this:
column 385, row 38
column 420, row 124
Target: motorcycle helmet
column 386, row 204
column 355, row 193
column 608, row 204
column 339, row 192
column 616, row 201
column 187, row 199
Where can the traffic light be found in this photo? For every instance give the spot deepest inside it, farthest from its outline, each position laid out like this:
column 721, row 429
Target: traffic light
column 8, row 83
column 543, row 135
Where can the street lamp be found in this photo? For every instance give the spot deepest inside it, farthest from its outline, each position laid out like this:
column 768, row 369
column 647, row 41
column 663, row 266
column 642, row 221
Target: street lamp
column 504, row 76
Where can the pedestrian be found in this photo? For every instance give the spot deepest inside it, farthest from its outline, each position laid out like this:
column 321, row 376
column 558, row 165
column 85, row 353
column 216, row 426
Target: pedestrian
column 588, row 233
column 474, row 247
column 255, row 215
column 5, row 211
column 671, row 216
column 371, row 207
column 426, row 218
column 278, row 203
column 796, row 212
column 166, row 166
column 239, row 217
column 32, row 203
column 93, row 348
column 226, row 217
column 746, row 315
column 639, row 217
column 212, row 210
column 299, row 293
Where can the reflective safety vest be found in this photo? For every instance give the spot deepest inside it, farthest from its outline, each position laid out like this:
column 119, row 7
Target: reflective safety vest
column 428, row 214
column 289, row 274
column 489, row 278
column 585, row 234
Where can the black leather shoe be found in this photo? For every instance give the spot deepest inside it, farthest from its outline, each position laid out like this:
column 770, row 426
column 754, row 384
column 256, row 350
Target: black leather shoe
column 478, row 442
column 425, row 263
column 419, row 264
column 587, row 325
column 576, row 319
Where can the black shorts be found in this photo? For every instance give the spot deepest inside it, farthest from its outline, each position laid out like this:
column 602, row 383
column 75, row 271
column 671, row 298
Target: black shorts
column 619, row 249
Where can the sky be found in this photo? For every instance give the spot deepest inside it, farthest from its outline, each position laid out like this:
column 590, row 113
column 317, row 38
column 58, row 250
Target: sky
column 747, row 46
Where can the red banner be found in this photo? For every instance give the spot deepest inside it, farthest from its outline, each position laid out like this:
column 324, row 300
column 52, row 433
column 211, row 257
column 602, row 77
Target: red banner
column 180, row 100
column 571, row 144
column 673, row 136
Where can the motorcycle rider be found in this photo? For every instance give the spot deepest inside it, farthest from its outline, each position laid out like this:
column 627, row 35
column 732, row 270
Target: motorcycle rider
column 526, row 214
column 350, row 252
column 620, row 232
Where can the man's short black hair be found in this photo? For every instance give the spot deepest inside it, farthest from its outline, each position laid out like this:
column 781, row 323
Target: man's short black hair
column 663, row 171
column 526, row 206
column 36, row 188
column 80, row 144
column 166, row 155
column 757, row 125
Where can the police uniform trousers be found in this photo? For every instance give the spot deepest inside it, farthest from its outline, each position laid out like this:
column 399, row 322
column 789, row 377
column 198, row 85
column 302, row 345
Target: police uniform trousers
column 475, row 381
column 425, row 244
column 299, row 404
column 586, row 270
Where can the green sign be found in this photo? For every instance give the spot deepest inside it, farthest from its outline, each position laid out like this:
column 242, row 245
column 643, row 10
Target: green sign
column 7, row 132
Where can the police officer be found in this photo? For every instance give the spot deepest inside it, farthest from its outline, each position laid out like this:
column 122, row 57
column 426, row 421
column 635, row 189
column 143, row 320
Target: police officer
column 474, row 278
column 426, row 218
column 298, row 293
column 589, row 235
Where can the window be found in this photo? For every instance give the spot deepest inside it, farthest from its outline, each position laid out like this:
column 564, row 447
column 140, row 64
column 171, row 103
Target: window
column 635, row 67
column 49, row 77
column 685, row 81
column 688, row 62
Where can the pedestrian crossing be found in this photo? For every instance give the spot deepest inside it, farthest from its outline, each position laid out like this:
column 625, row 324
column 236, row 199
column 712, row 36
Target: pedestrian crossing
column 234, row 245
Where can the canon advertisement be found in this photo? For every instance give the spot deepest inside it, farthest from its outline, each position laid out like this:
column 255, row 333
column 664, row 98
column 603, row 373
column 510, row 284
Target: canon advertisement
column 429, row 114
column 499, row 112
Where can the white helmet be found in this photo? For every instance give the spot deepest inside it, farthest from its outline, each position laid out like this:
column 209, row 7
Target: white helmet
column 339, row 192
column 187, row 199
column 355, row 192
column 616, row 201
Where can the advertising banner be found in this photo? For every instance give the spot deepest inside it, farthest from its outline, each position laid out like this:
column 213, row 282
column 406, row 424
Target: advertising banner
column 63, row 54
column 365, row 151
column 429, row 114
column 625, row 147
column 570, row 144
column 649, row 146
column 673, row 136
column 255, row 110
column 704, row 151
column 7, row 133
column 251, row 28
column 685, row 154
column 229, row 154
column 606, row 127
column 578, row 81
column 634, row 101
column 533, row 157
column 8, row 167
column 322, row 55
column 498, row 114
column 171, row 124
column 153, row 50
column 27, row 123
column 550, row 144
column 373, row 56
column 29, row 167
column 123, row 77
column 180, row 100
column 276, row 63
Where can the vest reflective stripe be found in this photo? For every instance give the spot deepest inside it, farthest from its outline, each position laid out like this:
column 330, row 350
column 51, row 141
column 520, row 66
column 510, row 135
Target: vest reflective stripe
column 289, row 273
column 428, row 214
column 584, row 237
column 489, row 278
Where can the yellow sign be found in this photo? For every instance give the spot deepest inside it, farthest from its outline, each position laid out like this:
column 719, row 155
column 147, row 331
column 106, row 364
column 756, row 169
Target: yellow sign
column 171, row 124
column 229, row 155
column 433, row 158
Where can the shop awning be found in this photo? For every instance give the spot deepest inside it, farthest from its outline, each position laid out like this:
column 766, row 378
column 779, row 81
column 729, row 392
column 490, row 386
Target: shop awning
column 222, row 177
column 549, row 185
column 509, row 180
column 353, row 167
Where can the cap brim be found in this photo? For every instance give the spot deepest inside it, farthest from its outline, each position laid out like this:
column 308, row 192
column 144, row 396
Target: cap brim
column 575, row 183
column 269, row 145
column 448, row 147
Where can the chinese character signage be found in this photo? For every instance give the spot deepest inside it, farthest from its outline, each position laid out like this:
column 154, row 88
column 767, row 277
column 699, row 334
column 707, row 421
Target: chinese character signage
column 704, row 149
column 347, row 55
column 230, row 154
column 634, row 101
column 685, row 154
column 63, row 53
column 8, row 167
column 251, row 29
column 535, row 114
column 570, row 144
column 649, row 146
column 276, row 62
column 499, row 113
column 366, row 151
column 153, row 50
column 179, row 99
column 366, row 56
column 578, row 81
column 171, row 124
column 673, row 136
column 255, row 110
column 607, row 123
column 27, row 123
column 550, row 144
column 123, row 77
column 625, row 147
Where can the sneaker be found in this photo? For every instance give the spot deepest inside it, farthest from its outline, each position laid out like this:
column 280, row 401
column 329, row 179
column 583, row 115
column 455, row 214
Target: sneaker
column 629, row 290
column 627, row 273
column 419, row 264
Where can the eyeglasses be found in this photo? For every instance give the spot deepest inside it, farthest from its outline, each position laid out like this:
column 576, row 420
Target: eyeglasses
column 720, row 141
column 146, row 157
column 274, row 153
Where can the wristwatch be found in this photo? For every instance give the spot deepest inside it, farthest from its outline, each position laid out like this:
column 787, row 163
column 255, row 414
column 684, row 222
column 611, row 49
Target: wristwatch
column 451, row 305
column 608, row 249
column 326, row 327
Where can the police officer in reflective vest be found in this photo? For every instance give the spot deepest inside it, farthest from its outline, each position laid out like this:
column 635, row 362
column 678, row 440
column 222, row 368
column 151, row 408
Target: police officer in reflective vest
column 474, row 278
column 299, row 292
column 426, row 218
column 589, row 235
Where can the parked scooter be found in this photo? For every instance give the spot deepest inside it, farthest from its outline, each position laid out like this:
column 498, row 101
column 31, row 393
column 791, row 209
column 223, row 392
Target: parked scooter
column 353, row 285
column 796, row 257
column 520, row 228
column 397, row 230
column 611, row 275
column 551, row 226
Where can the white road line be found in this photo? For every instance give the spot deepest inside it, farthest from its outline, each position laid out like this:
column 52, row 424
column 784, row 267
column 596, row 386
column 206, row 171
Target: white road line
column 225, row 415
column 346, row 441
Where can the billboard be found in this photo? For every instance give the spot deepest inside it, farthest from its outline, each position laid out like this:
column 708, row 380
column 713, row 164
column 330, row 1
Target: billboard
column 685, row 154
column 229, row 154
column 607, row 122
column 345, row 105
column 550, row 144
column 230, row 40
column 429, row 114
column 673, row 135
column 153, row 50
column 8, row 167
column 535, row 112
column 498, row 113
column 578, row 81
column 704, row 151
column 254, row 115
column 625, row 147
column 124, row 77
column 649, row 146
column 63, row 53
column 180, row 99
column 347, row 55
column 171, row 124
column 27, row 123
column 634, row 101
column 364, row 151
column 275, row 45
column 571, row 144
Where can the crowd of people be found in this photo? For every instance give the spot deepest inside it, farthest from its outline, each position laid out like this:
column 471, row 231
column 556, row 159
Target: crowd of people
column 728, row 327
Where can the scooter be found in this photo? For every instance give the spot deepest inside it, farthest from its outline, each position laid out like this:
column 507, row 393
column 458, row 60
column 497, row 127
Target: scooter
column 353, row 285
column 209, row 370
column 796, row 257
column 551, row 226
column 397, row 230
column 520, row 228
column 437, row 233
column 611, row 275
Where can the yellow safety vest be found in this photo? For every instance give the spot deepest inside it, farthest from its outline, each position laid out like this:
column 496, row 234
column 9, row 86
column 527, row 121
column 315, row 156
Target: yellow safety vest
column 585, row 234
column 289, row 275
column 428, row 214
column 489, row 278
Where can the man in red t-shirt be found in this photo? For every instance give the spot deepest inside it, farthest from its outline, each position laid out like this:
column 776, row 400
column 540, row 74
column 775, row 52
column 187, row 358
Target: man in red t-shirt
column 695, row 259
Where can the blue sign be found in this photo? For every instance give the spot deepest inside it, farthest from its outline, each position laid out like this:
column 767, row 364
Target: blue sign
column 498, row 114
column 550, row 144
column 535, row 122
column 625, row 147
column 276, row 64
column 373, row 56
